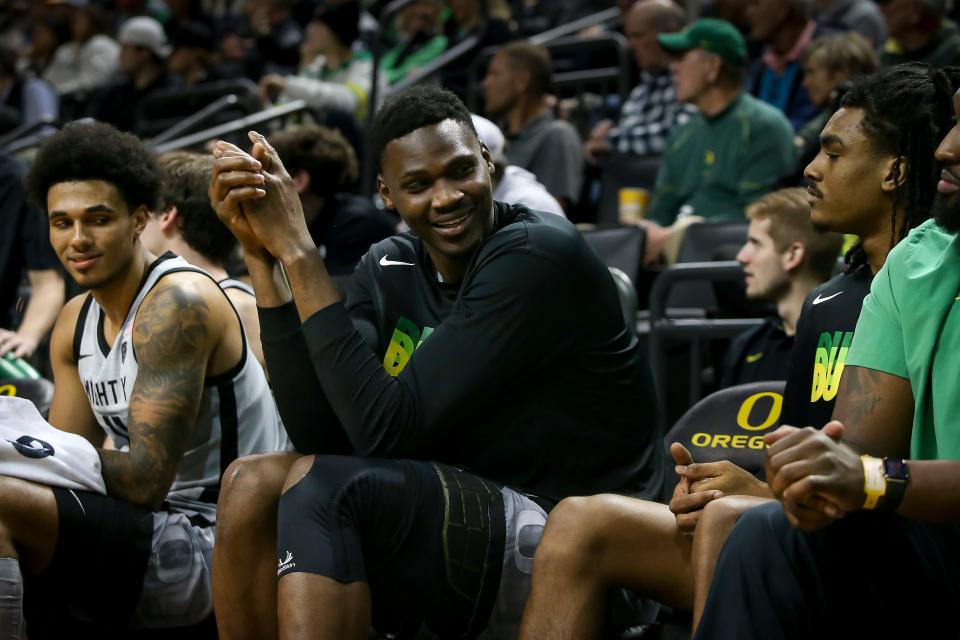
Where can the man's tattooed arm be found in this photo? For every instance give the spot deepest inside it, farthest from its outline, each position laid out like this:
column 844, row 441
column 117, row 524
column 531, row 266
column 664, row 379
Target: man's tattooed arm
column 876, row 410
column 173, row 342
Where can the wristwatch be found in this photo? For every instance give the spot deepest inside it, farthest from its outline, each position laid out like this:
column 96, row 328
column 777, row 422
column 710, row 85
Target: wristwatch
column 884, row 482
column 897, row 475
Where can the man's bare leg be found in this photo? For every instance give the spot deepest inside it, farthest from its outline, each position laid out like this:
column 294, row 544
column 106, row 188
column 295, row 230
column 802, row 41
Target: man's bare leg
column 320, row 608
column 244, row 556
column 593, row 544
column 28, row 524
column 317, row 607
column 718, row 519
column 28, row 537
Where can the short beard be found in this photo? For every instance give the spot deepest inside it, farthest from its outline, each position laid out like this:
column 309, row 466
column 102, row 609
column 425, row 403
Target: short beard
column 946, row 211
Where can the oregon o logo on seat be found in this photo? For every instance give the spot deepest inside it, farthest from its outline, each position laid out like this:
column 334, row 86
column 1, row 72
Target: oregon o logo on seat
column 773, row 414
column 8, row 390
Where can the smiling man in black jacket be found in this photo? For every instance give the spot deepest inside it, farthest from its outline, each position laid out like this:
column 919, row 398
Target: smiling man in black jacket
column 488, row 341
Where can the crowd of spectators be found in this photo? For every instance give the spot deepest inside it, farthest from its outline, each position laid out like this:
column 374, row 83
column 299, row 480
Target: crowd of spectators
column 62, row 60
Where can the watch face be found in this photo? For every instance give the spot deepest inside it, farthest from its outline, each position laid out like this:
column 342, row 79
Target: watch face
column 896, row 469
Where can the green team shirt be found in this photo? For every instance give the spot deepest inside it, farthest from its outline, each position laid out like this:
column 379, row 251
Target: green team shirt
column 910, row 327
column 714, row 167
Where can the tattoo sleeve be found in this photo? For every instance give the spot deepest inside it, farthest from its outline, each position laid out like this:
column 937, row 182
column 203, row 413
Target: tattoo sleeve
column 173, row 343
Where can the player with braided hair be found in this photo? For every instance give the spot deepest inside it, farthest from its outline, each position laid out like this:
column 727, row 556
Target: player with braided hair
column 874, row 177
column 864, row 538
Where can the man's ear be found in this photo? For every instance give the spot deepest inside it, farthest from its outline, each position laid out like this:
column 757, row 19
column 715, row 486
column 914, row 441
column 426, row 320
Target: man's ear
column 140, row 216
column 714, row 63
column 301, row 181
column 895, row 173
column 521, row 81
column 794, row 256
column 170, row 220
column 384, row 192
column 487, row 157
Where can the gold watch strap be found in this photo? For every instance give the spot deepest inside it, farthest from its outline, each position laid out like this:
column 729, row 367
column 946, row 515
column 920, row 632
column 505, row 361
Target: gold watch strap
column 874, row 480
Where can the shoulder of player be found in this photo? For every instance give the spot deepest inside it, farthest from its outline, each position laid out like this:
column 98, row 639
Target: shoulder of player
column 71, row 310
column 922, row 251
column 537, row 227
column 828, row 287
column 536, row 239
column 245, row 304
column 240, row 297
column 398, row 248
column 61, row 339
column 186, row 307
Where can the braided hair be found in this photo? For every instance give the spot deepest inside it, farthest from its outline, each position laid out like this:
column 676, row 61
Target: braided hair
column 907, row 111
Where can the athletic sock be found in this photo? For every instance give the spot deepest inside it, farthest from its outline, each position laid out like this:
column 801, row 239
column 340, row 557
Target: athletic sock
column 11, row 600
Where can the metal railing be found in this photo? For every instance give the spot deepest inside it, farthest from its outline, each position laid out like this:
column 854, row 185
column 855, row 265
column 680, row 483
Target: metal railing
column 245, row 123
column 570, row 82
column 607, row 16
column 195, row 120
column 14, row 138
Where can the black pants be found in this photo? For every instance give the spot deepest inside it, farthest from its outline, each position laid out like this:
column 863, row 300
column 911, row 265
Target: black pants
column 427, row 538
column 96, row 574
column 868, row 575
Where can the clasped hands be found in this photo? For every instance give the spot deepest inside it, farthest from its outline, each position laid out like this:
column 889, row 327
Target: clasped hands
column 704, row 482
column 816, row 477
column 254, row 196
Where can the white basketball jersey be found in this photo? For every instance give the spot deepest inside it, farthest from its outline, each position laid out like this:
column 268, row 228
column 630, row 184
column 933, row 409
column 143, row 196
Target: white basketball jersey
column 237, row 414
column 233, row 283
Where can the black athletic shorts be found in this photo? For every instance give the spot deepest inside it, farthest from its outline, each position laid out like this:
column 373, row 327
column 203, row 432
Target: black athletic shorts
column 96, row 575
column 427, row 538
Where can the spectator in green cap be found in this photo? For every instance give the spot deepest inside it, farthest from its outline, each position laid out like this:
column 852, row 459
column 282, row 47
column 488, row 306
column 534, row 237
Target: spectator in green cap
column 734, row 151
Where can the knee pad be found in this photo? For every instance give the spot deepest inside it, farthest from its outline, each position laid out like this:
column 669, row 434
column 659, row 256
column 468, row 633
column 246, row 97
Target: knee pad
column 320, row 518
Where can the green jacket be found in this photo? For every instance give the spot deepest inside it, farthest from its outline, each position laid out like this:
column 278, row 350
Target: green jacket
column 714, row 167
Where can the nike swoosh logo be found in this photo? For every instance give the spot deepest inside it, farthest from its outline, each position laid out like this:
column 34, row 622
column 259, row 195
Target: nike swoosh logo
column 386, row 262
column 753, row 357
column 818, row 299
column 83, row 355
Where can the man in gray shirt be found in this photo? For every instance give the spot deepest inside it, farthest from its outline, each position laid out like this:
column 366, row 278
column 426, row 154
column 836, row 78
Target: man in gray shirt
column 515, row 90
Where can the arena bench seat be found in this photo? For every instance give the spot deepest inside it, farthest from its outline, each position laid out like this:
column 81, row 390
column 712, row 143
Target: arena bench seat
column 729, row 424
column 619, row 247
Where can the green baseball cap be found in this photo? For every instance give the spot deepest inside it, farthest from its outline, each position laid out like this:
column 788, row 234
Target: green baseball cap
column 716, row 36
